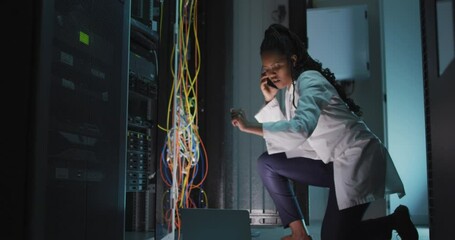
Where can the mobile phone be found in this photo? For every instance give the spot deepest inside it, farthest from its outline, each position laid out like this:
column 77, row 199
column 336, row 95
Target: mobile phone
column 271, row 84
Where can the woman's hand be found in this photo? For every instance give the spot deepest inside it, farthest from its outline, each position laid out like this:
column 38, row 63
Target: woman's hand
column 238, row 119
column 268, row 91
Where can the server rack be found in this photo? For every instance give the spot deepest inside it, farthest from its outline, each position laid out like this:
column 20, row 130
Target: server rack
column 76, row 179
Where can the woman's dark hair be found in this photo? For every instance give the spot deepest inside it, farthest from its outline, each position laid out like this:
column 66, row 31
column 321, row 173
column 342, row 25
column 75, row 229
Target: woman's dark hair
column 280, row 39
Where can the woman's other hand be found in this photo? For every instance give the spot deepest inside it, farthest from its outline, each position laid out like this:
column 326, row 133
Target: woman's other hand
column 238, row 119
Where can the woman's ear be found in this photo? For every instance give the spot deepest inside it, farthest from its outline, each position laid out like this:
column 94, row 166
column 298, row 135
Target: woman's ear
column 294, row 60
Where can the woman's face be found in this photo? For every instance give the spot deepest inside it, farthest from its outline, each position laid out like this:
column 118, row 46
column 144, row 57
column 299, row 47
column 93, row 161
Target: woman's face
column 276, row 67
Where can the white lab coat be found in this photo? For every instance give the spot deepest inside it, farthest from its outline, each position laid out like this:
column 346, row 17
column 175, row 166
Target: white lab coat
column 323, row 128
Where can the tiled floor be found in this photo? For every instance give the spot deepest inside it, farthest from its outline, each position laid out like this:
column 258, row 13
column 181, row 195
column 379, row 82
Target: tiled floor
column 275, row 233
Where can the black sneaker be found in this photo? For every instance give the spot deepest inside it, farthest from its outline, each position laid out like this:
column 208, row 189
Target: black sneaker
column 403, row 224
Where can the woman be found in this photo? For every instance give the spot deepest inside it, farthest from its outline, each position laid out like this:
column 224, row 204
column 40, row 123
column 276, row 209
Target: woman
column 320, row 140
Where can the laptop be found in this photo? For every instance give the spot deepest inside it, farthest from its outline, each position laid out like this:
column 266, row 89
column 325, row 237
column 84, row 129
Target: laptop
column 214, row 224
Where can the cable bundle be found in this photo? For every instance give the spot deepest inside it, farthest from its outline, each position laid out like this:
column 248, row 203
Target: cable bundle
column 183, row 159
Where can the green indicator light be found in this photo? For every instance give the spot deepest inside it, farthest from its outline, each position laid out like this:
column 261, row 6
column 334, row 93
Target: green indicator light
column 84, row 38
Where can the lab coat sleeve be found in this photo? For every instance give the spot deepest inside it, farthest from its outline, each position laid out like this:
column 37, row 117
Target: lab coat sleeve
column 315, row 93
column 270, row 112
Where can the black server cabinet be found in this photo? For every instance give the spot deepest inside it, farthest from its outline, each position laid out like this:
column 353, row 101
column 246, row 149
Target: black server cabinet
column 142, row 119
column 141, row 140
column 77, row 175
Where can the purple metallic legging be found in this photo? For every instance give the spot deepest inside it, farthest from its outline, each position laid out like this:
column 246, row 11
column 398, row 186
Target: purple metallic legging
column 276, row 170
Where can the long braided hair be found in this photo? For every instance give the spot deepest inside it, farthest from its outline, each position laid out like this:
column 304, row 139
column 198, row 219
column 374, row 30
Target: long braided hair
column 278, row 38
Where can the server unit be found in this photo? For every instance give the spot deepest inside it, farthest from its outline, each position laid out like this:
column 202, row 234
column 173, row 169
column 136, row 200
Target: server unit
column 78, row 171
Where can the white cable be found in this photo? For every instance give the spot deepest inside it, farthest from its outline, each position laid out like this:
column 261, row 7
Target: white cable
column 174, row 189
